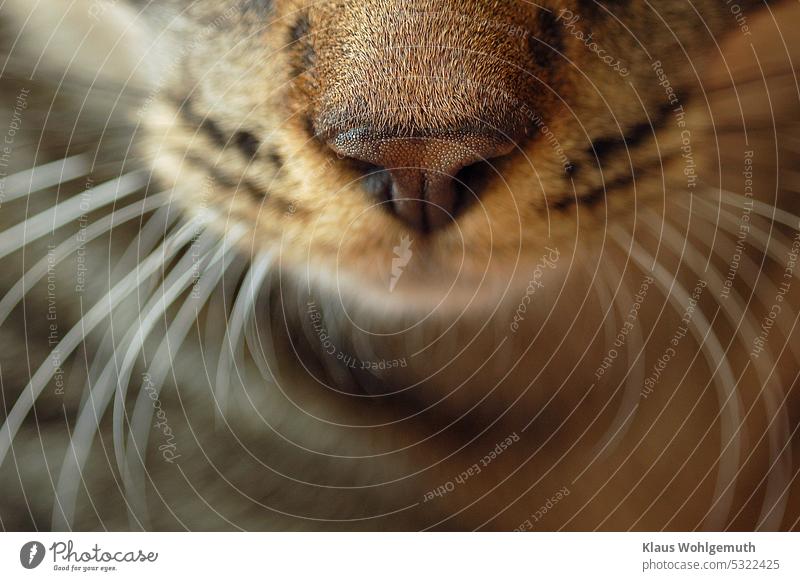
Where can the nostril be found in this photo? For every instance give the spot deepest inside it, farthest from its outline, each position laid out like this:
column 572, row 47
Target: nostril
column 472, row 179
column 427, row 179
column 376, row 180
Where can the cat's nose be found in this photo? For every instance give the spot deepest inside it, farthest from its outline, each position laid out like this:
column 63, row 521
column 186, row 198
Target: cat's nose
column 418, row 176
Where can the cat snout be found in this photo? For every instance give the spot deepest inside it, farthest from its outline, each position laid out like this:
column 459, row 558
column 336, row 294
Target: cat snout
column 422, row 179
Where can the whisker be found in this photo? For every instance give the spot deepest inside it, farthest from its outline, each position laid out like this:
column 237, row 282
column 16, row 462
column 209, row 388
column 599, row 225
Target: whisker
column 722, row 376
column 768, row 242
column 44, row 176
column 146, row 240
column 68, row 247
column 73, row 80
column 33, row 228
column 187, row 268
column 258, row 337
column 230, row 356
column 766, row 210
column 635, row 374
column 134, row 469
column 113, row 381
column 776, row 251
column 171, row 246
column 741, row 318
column 217, row 314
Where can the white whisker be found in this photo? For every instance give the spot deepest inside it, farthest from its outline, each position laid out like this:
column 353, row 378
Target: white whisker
column 635, row 374
column 740, row 318
column 179, row 278
column 140, row 421
column 230, row 356
column 722, row 376
column 14, row 238
column 761, row 208
column 65, row 249
column 44, row 176
column 258, row 337
column 113, row 381
column 77, row 333
column 146, row 240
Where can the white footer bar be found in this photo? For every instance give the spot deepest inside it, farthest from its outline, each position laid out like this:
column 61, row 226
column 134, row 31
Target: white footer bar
column 355, row 556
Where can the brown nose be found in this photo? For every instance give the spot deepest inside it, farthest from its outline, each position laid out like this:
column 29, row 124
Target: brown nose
column 417, row 175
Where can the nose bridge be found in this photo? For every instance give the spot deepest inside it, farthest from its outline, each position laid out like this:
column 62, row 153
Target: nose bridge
column 420, row 90
column 420, row 67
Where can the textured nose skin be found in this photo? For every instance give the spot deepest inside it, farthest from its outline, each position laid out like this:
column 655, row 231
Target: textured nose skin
column 422, row 170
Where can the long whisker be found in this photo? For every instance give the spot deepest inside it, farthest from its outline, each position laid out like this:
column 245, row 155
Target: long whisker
column 767, row 242
column 156, row 375
column 44, row 176
column 65, row 249
column 258, row 335
column 20, row 70
column 179, row 279
column 102, row 392
column 723, row 376
column 635, row 374
column 230, row 357
column 785, row 73
column 171, row 246
column 148, row 237
column 766, row 210
column 778, row 434
column 14, row 238
column 741, row 319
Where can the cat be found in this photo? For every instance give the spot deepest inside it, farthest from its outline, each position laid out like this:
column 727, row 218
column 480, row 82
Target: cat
column 400, row 265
